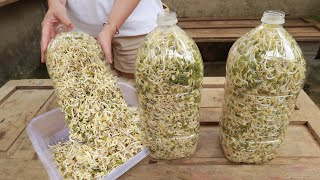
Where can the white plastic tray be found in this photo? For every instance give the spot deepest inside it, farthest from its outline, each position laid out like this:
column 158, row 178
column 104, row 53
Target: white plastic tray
column 50, row 128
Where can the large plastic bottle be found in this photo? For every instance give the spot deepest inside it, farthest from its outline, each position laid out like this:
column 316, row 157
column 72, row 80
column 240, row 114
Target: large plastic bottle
column 169, row 73
column 265, row 73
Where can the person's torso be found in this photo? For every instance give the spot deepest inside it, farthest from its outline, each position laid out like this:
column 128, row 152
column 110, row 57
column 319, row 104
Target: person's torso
column 89, row 16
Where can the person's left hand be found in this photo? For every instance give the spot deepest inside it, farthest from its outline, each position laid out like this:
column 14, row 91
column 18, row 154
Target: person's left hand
column 56, row 14
column 104, row 38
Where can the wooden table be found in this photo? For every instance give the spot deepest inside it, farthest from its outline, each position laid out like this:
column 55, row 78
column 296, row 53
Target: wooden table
column 215, row 36
column 211, row 29
column 299, row 157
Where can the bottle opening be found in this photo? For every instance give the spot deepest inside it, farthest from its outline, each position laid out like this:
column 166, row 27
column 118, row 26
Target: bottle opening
column 166, row 18
column 273, row 17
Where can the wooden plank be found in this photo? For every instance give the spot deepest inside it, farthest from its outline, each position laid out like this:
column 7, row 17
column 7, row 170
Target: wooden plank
column 234, row 33
column 288, row 18
column 294, row 160
column 208, row 171
column 210, row 115
column 23, row 148
column 229, row 29
column 293, row 153
column 303, row 30
column 209, row 151
column 49, row 105
column 5, row 2
column 13, row 120
column 212, row 97
column 25, row 83
column 213, row 82
column 312, row 21
column 6, row 91
column 311, row 113
column 16, row 169
column 10, row 87
column 234, row 23
column 298, row 137
column 242, row 22
column 32, row 83
column 234, row 38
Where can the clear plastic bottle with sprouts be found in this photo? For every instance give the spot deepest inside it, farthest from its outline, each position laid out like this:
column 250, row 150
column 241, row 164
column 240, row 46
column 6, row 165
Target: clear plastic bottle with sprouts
column 169, row 73
column 265, row 73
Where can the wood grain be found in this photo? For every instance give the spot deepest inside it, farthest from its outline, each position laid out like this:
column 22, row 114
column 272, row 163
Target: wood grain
column 236, row 23
column 300, row 34
column 17, row 111
column 229, row 29
column 18, row 169
column 213, row 82
column 22, row 148
column 212, row 97
column 299, row 155
column 11, row 86
column 225, row 172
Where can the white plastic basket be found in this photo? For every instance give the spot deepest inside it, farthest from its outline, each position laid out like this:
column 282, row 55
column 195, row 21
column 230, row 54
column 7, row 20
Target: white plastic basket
column 50, row 128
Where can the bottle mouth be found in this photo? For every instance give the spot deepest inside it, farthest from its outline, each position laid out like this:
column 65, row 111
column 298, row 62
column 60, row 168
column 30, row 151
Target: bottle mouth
column 273, row 17
column 167, row 18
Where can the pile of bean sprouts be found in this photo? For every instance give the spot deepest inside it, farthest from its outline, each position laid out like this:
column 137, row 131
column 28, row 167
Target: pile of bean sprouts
column 104, row 131
column 169, row 74
column 265, row 73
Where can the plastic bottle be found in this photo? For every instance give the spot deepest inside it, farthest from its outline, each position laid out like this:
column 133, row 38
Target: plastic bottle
column 169, row 73
column 265, row 73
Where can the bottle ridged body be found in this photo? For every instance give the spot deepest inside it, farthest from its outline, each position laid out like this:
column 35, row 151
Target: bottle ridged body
column 169, row 74
column 265, row 73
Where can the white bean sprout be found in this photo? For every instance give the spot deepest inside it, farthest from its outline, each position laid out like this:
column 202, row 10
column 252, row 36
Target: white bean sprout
column 104, row 131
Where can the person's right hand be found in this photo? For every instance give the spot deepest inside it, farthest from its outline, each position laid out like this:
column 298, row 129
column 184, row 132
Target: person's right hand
column 56, row 14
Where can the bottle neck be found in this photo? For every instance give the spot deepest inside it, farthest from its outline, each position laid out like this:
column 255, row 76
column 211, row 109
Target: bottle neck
column 167, row 18
column 273, row 18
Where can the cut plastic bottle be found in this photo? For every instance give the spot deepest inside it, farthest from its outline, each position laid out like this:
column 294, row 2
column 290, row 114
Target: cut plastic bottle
column 265, row 73
column 169, row 73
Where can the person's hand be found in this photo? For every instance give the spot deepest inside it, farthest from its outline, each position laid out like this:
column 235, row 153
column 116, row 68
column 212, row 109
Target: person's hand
column 56, row 14
column 104, row 38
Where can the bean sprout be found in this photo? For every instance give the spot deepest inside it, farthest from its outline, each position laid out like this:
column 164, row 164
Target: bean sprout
column 169, row 73
column 265, row 73
column 104, row 132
